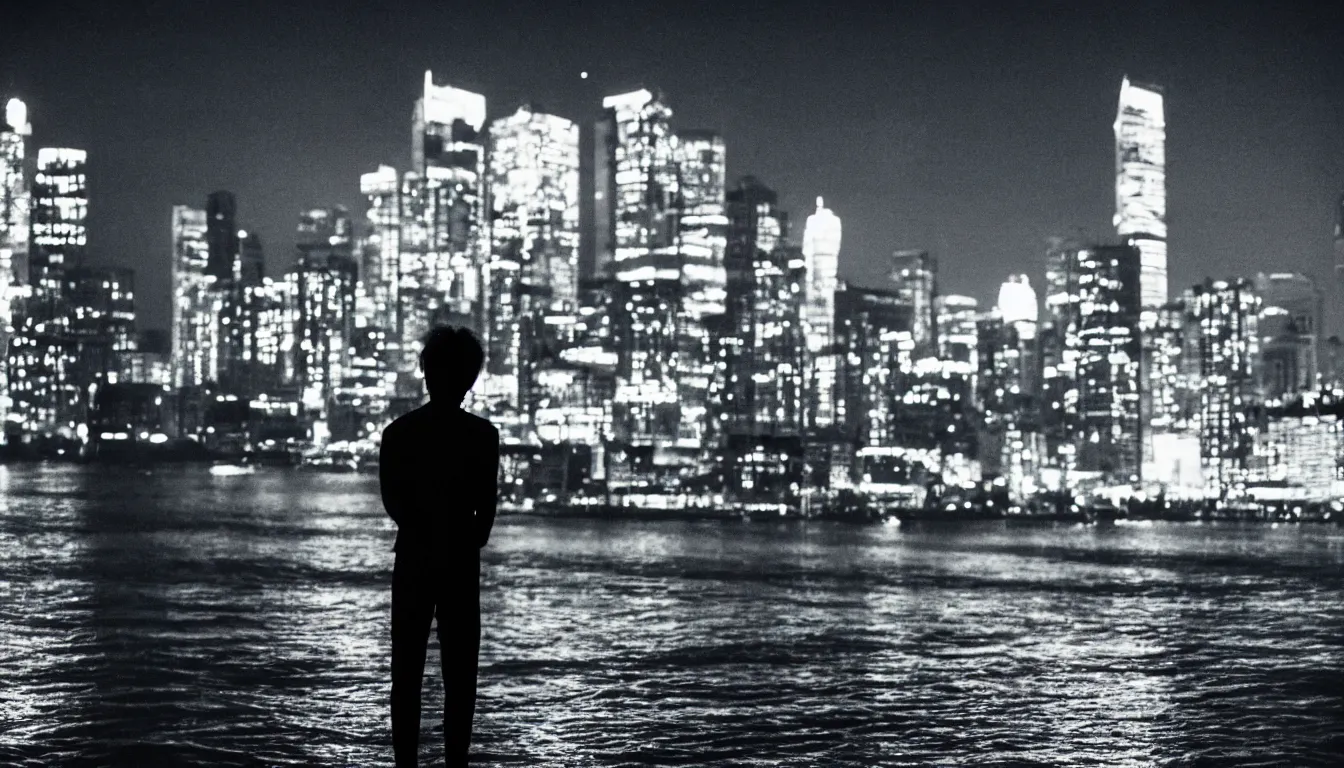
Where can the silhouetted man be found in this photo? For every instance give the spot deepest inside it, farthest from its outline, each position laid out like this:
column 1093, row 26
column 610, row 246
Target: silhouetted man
column 438, row 475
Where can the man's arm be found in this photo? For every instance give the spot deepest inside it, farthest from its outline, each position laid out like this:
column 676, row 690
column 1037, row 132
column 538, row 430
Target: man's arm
column 487, row 499
column 391, row 478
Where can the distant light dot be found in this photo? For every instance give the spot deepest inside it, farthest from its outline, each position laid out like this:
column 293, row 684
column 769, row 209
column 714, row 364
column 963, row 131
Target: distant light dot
column 583, row 75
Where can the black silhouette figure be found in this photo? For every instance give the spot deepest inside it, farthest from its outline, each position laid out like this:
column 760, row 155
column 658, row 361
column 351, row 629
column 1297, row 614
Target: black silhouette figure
column 438, row 471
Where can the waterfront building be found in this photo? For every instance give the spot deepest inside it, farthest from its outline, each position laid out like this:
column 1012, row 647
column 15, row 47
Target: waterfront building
column 1226, row 314
column 873, row 332
column 764, row 361
column 15, row 212
column 1141, row 183
column 101, row 303
column 915, row 276
column 956, row 318
column 821, row 257
column 1008, row 389
column 1291, row 307
column 638, row 201
column 325, row 277
column 1299, row 449
column 150, row 362
column 533, row 173
column 276, row 303
column 443, row 205
column 1091, row 354
column 703, row 231
column 45, row 395
column 380, row 250
column 196, row 305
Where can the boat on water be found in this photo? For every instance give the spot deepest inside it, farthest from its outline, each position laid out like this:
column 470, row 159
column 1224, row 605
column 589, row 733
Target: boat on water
column 226, row 470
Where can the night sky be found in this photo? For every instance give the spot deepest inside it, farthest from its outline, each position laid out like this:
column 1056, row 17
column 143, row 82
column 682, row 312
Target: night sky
column 963, row 128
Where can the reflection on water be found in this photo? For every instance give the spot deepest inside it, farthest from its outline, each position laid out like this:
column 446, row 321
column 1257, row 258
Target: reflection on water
column 178, row 618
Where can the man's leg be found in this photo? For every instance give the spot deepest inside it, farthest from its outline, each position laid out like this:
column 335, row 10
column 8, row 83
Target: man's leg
column 412, row 612
column 459, row 631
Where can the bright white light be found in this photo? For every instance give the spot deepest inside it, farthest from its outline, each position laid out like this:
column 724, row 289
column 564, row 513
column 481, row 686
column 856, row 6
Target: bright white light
column 1017, row 300
column 443, row 104
column 583, row 75
column 16, row 115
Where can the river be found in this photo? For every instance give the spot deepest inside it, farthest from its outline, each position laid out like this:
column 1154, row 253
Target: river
column 170, row 617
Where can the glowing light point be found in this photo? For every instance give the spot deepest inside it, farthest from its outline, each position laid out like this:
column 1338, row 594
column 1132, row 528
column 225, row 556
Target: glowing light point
column 16, row 115
column 583, row 75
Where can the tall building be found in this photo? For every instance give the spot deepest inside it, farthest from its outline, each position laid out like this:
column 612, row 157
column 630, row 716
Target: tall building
column 873, row 332
column 1226, row 312
column 638, row 202
column 380, row 249
column 325, row 277
column 821, row 256
column 48, row 397
column 638, row 192
column 703, row 229
column 196, row 305
column 1141, row 183
column 956, row 318
column 221, row 234
column 15, row 210
column 1289, row 326
column 533, row 174
column 1091, row 362
column 915, row 276
column 102, row 326
column 444, row 236
column 765, row 335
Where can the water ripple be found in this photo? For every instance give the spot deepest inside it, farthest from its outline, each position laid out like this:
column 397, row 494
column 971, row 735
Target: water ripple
column 175, row 618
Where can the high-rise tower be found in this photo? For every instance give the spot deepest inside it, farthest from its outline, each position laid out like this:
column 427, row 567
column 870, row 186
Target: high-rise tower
column 15, row 210
column 533, row 171
column 1141, row 184
column 444, row 237
column 195, row 329
column 821, row 257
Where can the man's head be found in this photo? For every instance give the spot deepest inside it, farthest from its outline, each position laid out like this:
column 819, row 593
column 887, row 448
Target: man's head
column 451, row 361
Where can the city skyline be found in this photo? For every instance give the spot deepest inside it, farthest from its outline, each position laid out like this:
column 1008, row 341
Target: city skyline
column 926, row 198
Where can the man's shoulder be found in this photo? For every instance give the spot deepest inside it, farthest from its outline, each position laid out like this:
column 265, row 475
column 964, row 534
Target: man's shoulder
column 481, row 424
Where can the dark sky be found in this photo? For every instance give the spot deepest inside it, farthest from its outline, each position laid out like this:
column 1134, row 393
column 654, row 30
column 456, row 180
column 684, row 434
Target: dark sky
column 969, row 129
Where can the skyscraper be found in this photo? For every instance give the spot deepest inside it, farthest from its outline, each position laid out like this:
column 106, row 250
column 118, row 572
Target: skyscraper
column 221, row 234
column 15, row 209
column 1289, row 328
column 49, row 396
column 821, row 256
column 533, row 174
column 638, row 202
column 1226, row 314
column 380, row 249
column 915, row 276
column 1092, row 356
column 102, row 326
column 196, row 310
column 701, row 159
column 1141, row 183
column 443, row 200
column 638, row 192
column 325, row 276
column 764, row 356
column 956, row 328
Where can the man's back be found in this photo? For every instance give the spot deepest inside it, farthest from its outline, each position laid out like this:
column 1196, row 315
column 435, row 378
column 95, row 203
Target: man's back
column 438, row 472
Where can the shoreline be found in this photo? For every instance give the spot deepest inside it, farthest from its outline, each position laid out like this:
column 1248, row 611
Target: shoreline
column 905, row 518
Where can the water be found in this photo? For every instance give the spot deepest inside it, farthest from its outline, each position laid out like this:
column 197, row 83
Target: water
column 175, row 618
